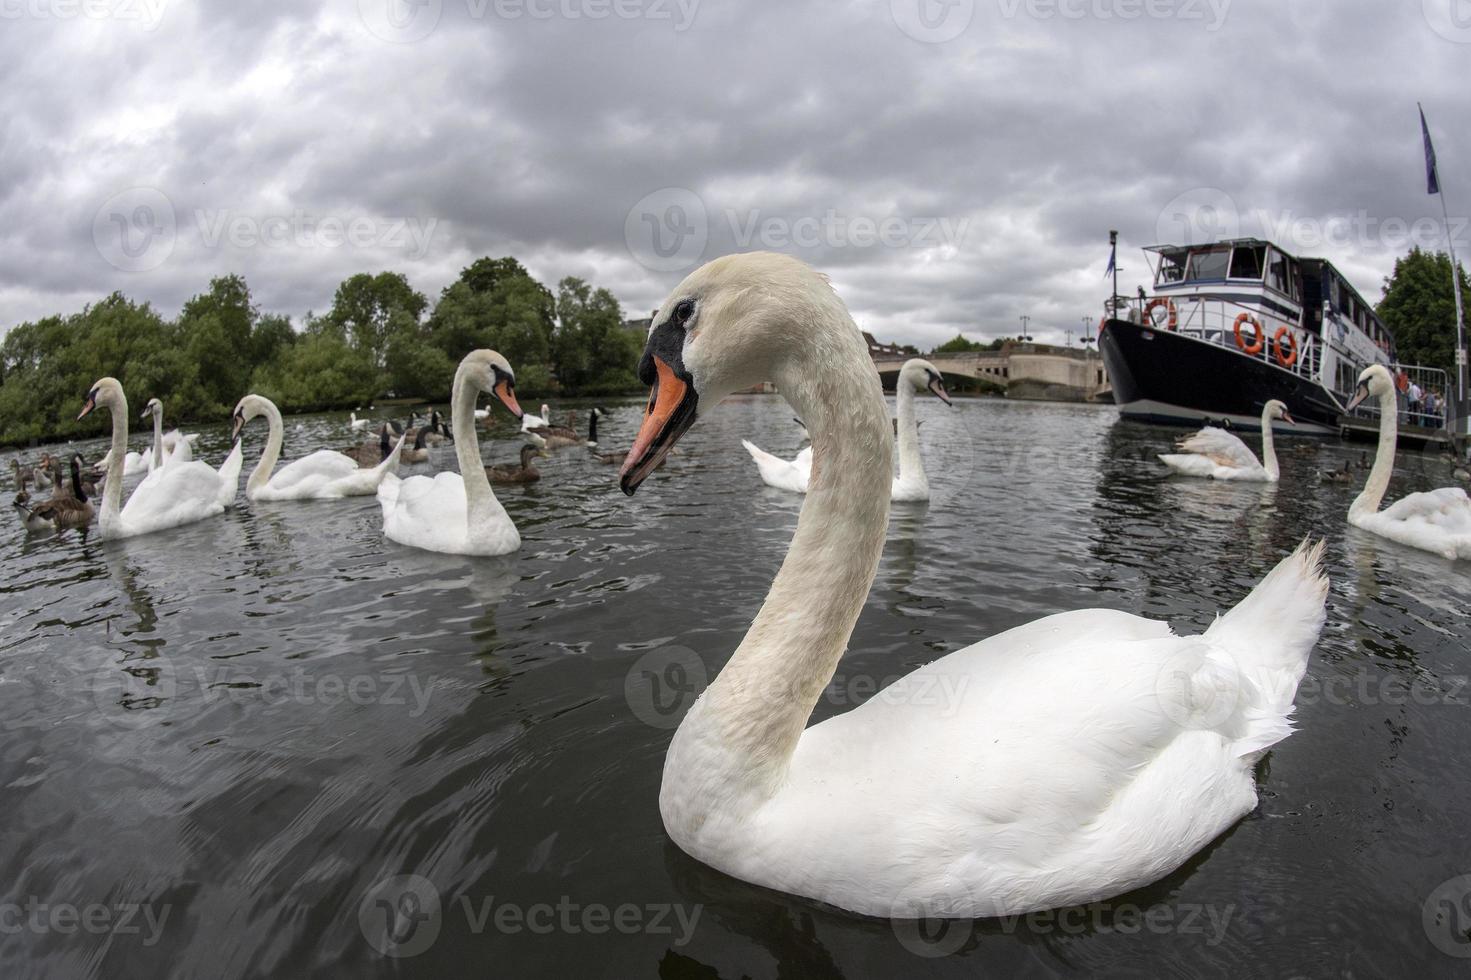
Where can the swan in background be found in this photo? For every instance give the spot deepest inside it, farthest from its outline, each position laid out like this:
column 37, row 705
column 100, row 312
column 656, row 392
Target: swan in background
column 355, row 423
column 168, row 447
column 180, row 493
column 457, row 513
column 917, row 374
column 530, row 422
column 1219, row 455
column 563, row 436
column 1436, row 520
column 1081, row 756
column 324, row 475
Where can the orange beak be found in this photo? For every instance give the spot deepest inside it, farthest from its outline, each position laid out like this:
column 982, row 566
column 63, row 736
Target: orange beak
column 503, row 391
column 669, row 414
column 87, row 407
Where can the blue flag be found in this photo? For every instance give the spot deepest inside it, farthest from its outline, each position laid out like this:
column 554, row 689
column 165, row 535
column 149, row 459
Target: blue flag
column 1111, row 253
column 1432, row 179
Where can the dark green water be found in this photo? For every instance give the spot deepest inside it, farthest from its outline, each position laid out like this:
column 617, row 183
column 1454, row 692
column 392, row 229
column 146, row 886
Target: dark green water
column 224, row 747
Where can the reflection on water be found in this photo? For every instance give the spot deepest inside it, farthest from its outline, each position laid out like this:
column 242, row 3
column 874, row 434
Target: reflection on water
column 291, row 748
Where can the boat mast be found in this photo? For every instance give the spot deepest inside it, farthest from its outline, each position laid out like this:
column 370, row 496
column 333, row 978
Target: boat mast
column 1463, row 409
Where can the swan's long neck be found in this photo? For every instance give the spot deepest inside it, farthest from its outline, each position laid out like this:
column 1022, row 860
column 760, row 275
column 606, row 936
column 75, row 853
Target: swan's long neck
column 157, row 437
column 261, row 475
column 1369, row 499
column 480, row 503
column 734, row 746
column 911, row 466
column 112, row 493
column 1269, row 446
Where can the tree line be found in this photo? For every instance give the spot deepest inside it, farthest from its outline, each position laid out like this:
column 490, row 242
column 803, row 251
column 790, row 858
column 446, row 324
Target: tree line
column 380, row 338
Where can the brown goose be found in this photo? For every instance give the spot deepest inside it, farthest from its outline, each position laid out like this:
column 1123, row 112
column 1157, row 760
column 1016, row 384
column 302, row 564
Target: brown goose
column 525, row 472
column 370, row 454
column 69, row 509
column 563, row 437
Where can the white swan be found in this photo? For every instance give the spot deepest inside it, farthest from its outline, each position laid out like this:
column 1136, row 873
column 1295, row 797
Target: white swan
column 457, row 513
column 324, row 475
column 355, row 423
column 168, row 447
column 180, row 493
column 530, row 422
column 1436, row 520
column 1217, row 454
column 1064, row 761
column 911, row 484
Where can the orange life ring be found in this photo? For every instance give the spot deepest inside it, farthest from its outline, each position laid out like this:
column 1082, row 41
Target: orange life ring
column 1402, row 381
column 1153, row 304
column 1259, row 335
column 1286, row 360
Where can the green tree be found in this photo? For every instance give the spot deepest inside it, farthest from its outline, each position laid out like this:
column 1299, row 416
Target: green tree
column 368, row 308
column 959, row 345
column 592, row 353
column 1420, row 310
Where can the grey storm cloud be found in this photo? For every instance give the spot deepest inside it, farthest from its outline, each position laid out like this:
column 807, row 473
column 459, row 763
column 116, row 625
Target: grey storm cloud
column 952, row 164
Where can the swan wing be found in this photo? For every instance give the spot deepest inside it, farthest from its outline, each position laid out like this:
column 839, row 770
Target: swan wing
column 777, row 472
column 429, row 513
column 1220, row 446
column 229, row 475
column 1436, row 520
column 178, row 494
column 322, row 464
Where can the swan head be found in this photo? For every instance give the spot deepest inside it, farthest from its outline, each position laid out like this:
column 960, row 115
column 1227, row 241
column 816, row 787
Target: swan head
column 108, row 393
column 250, row 407
column 1276, row 409
column 1375, row 380
column 921, row 375
column 491, row 373
column 734, row 322
column 154, row 407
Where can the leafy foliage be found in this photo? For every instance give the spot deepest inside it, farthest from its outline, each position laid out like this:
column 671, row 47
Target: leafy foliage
column 379, row 338
column 1421, row 311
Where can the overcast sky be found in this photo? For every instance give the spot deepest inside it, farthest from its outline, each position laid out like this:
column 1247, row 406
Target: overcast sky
column 953, row 164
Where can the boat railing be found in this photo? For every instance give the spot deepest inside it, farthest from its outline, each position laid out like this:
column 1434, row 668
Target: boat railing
column 1215, row 321
column 1431, row 411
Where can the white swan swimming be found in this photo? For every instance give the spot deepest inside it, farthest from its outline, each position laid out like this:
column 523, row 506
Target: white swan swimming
column 180, row 493
column 1436, row 520
column 1219, row 455
column 457, row 513
column 324, row 475
column 168, row 447
column 355, row 423
column 911, row 484
column 1075, row 758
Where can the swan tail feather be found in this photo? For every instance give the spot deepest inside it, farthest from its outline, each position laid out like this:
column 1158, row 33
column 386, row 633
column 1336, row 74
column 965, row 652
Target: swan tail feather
column 390, row 462
column 1268, row 637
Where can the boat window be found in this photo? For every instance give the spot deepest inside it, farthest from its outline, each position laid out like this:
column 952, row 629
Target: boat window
column 1277, row 271
column 1208, row 265
column 1246, row 262
column 1171, row 268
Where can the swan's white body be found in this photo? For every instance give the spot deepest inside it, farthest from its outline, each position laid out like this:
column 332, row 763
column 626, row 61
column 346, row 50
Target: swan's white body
column 454, row 513
column 1436, row 520
column 910, row 485
column 179, row 493
column 529, row 422
column 324, row 475
column 356, row 423
column 1216, row 454
column 1064, row 761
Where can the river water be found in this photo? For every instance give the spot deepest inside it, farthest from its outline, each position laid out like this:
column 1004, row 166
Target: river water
column 273, row 744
